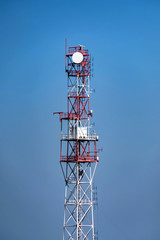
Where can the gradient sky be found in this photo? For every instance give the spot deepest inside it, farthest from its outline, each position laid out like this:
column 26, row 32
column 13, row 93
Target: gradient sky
column 124, row 38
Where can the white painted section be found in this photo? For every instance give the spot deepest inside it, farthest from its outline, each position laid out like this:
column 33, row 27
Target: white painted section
column 82, row 132
column 77, row 57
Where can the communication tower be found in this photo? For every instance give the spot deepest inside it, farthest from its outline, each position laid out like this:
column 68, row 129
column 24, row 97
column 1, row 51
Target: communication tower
column 78, row 147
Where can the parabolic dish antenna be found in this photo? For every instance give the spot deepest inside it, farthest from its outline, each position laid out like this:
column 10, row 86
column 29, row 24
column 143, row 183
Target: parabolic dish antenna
column 77, row 57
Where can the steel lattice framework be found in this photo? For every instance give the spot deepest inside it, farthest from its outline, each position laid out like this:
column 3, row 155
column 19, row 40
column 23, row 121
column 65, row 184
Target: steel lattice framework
column 78, row 149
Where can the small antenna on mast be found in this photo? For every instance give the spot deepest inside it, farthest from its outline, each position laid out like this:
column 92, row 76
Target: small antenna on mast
column 65, row 52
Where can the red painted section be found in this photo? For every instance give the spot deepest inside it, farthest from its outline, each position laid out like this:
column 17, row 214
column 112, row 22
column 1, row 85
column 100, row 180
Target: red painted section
column 78, row 108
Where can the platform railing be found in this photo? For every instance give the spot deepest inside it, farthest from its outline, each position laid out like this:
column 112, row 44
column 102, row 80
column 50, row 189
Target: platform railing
column 74, row 137
column 79, row 159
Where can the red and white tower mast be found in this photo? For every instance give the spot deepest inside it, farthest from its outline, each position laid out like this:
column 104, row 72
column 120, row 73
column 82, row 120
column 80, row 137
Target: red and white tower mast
column 78, row 147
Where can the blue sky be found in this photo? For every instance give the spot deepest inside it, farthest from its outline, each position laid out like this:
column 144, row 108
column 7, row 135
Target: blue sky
column 124, row 39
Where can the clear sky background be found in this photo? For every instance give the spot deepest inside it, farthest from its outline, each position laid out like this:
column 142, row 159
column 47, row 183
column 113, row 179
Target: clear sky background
column 124, row 38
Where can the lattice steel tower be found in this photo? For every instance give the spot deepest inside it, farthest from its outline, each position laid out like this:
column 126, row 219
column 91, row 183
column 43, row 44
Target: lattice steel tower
column 78, row 147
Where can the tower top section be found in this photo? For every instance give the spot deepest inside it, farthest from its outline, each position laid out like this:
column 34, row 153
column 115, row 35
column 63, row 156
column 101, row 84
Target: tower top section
column 77, row 61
